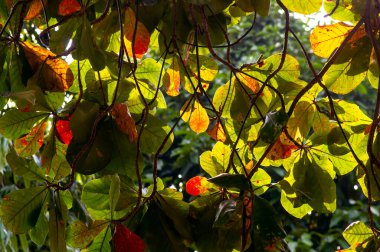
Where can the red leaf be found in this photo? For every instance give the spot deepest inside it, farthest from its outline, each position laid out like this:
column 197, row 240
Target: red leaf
column 125, row 240
column 196, row 186
column 63, row 131
column 67, row 7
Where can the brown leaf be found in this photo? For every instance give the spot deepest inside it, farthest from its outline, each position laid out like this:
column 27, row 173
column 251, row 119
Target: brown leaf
column 54, row 74
column 28, row 145
column 124, row 121
column 217, row 133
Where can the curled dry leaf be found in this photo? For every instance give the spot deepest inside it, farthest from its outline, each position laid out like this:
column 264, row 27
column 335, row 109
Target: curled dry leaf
column 125, row 240
column 54, row 73
column 197, row 186
column 63, row 131
column 67, row 7
column 124, row 121
column 141, row 39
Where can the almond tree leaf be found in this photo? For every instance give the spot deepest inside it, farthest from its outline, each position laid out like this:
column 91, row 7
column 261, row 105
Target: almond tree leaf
column 16, row 123
column 249, row 82
column 260, row 181
column 186, row 113
column 303, row 6
column 238, row 181
column 67, row 7
column 63, row 131
column 124, row 120
column 125, row 240
column 57, row 223
column 199, row 120
column 373, row 71
column 207, row 66
column 325, row 39
column 24, row 167
column 172, row 78
column 217, row 132
column 39, row 232
column 60, row 167
column 20, row 209
column 348, row 10
column 357, row 233
column 32, row 142
column 102, row 241
column 196, row 186
column 273, row 126
column 153, row 135
column 35, row 8
column 78, row 235
column 142, row 37
column 350, row 68
column 54, row 74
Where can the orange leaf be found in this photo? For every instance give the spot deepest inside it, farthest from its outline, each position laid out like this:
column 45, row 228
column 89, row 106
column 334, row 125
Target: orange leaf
column 282, row 149
column 196, row 186
column 199, row 120
column 325, row 39
column 172, row 78
column 142, row 38
column 28, row 145
column 67, row 7
column 34, row 9
column 249, row 82
column 217, row 133
column 124, row 121
column 54, row 73
column 63, row 131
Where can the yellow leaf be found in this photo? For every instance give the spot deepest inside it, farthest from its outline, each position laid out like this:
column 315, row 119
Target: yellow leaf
column 28, row 145
column 325, row 39
column 172, row 78
column 199, row 120
column 247, row 81
column 54, row 73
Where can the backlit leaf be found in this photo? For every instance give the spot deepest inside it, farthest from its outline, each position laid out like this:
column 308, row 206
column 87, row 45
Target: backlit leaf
column 32, row 142
column 79, row 235
column 199, row 120
column 67, row 7
column 282, row 148
column 357, row 233
column 63, row 130
column 172, row 77
column 35, row 8
column 54, row 74
column 217, row 132
column 125, row 240
column 196, row 186
column 303, row 6
column 135, row 34
column 208, row 68
column 124, row 120
column 325, row 39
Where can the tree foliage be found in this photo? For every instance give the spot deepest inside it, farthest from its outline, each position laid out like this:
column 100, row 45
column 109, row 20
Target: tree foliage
column 84, row 85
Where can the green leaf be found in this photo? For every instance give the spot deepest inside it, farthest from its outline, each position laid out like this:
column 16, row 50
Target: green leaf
column 260, row 6
column 114, row 192
column 350, row 68
column 39, row 232
column 207, row 66
column 101, row 241
column 228, row 214
column 153, row 135
column 288, row 197
column 89, row 48
column 15, row 123
column 60, row 167
column 217, row 161
column 260, row 181
column 273, row 126
column 238, row 181
column 303, row 6
column 348, row 10
column 357, row 232
column 57, row 223
column 266, row 218
column 24, row 167
column 20, row 209
column 149, row 69
column 59, row 39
